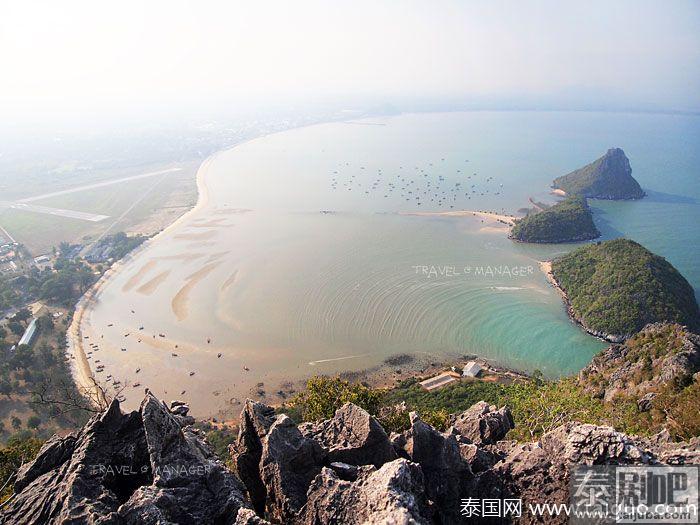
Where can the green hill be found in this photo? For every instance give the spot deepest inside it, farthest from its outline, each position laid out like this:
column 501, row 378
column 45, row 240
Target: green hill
column 609, row 177
column 614, row 288
column 568, row 221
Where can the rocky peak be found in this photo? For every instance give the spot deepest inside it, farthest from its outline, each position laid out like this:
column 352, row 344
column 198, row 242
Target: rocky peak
column 608, row 177
column 150, row 466
column 656, row 356
column 133, row 468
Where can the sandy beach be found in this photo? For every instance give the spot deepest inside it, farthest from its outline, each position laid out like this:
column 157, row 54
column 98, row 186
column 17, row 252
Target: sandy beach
column 80, row 366
column 546, row 267
column 509, row 219
column 559, row 192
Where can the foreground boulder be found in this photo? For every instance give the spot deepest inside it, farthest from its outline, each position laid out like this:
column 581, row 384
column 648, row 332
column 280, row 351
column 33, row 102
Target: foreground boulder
column 352, row 436
column 393, row 494
column 135, row 468
column 483, row 424
column 288, row 464
column 150, row 467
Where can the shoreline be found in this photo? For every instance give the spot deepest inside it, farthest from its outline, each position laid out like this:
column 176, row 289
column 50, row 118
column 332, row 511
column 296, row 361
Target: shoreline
column 546, row 267
column 80, row 367
column 500, row 218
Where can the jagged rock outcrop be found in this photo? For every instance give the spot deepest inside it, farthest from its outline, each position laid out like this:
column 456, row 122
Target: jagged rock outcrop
column 256, row 419
column 437, row 470
column 288, row 464
column 483, row 424
column 658, row 355
column 146, row 467
column 446, row 472
column 393, row 494
column 352, row 436
column 135, row 468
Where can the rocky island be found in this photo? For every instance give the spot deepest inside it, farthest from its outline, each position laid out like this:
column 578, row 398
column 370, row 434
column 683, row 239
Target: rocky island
column 568, row 221
column 609, row 177
column 614, row 288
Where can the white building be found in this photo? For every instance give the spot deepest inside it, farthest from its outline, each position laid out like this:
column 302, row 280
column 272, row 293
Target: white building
column 471, row 369
column 29, row 334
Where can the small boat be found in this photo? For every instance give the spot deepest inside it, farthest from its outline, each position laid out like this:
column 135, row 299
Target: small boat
column 183, row 392
column 246, row 368
column 174, row 354
column 191, row 374
column 110, row 324
column 218, row 355
column 138, row 370
column 136, row 385
column 208, row 340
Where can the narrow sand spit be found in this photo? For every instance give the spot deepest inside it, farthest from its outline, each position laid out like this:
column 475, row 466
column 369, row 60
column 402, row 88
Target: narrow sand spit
column 464, row 213
column 180, row 302
column 149, row 287
column 135, row 279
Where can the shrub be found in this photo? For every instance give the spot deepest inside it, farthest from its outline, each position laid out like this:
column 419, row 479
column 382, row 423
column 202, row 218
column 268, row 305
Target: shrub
column 324, row 395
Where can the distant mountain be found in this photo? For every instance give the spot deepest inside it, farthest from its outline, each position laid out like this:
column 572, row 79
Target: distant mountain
column 615, row 288
column 609, row 177
column 568, row 221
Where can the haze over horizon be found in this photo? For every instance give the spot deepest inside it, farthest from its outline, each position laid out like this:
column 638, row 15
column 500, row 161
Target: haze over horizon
column 85, row 60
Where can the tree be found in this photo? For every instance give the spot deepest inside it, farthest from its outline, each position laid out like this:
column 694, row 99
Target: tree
column 12, row 456
column 33, row 422
column 16, row 423
column 5, row 388
column 15, row 327
column 324, row 395
column 23, row 315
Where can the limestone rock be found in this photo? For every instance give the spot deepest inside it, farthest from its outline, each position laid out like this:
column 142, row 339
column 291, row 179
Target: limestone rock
column 140, row 467
column 447, row 474
column 288, row 464
column 394, row 494
column 483, row 424
column 256, row 419
column 353, row 436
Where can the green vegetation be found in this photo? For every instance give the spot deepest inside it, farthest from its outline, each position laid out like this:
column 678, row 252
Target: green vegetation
column 609, row 177
column 568, row 221
column 654, row 362
column 123, row 244
column 324, row 395
column 538, row 406
column 12, row 456
column 617, row 287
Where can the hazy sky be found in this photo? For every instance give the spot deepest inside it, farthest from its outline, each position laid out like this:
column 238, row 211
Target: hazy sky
column 89, row 56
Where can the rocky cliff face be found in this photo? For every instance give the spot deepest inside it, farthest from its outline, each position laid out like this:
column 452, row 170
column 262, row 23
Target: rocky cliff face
column 658, row 355
column 152, row 467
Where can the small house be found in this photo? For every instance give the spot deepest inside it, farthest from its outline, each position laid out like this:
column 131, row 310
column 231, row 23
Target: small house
column 471, row 369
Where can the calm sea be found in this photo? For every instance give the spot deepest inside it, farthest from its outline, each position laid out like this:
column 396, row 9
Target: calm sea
column 300, row 261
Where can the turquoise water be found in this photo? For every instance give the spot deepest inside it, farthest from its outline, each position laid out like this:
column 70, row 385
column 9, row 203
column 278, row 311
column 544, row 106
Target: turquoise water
column 286, row 291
